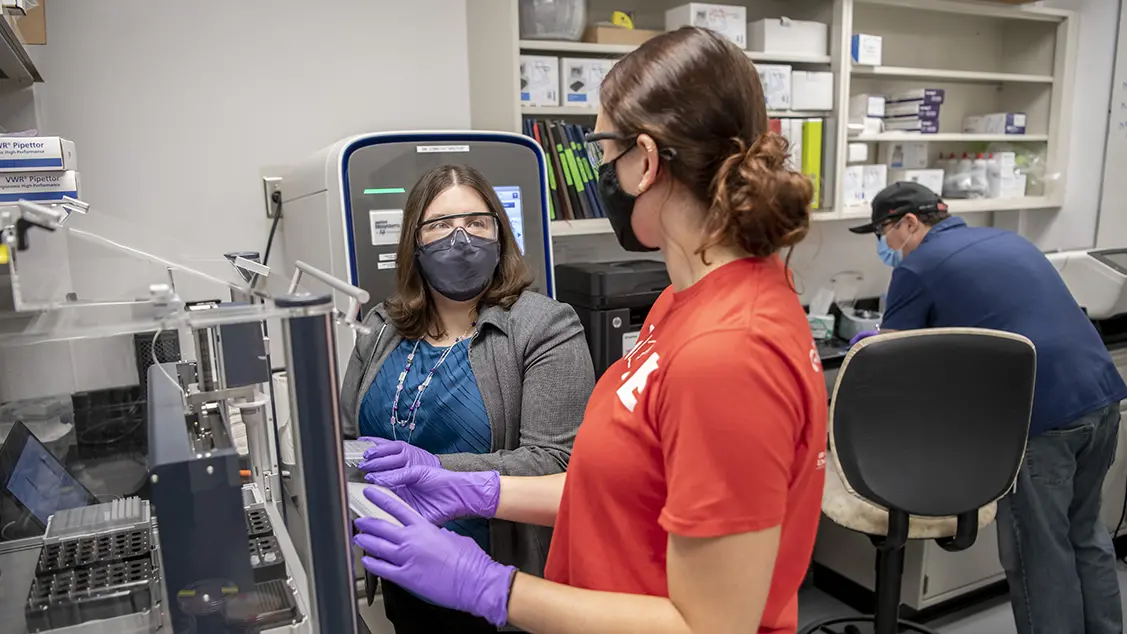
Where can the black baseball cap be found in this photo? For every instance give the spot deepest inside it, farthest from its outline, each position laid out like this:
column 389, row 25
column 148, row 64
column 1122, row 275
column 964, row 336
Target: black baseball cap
column 905, row 197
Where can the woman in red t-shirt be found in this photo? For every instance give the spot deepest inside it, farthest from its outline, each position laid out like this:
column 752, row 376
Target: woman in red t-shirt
column 692, row 497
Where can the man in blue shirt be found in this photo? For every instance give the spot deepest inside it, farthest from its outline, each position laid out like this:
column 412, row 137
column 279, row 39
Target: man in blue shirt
column 1058, row 557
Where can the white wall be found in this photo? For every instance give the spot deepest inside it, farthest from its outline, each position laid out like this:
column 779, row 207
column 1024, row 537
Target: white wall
column 177, row 106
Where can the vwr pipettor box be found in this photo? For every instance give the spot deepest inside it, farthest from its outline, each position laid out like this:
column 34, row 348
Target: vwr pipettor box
column 39, row 186
column 37, row 154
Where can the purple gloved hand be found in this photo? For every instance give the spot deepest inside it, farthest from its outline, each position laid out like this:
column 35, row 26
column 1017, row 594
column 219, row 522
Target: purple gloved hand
column 442, row 567
column 864, row 334
column 392, row 454
column 440, row 495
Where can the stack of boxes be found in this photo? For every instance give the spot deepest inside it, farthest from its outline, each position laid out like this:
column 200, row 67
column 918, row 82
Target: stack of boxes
column 913, row 111
column 552, row 81
column 1002, row 179
column 40, row 169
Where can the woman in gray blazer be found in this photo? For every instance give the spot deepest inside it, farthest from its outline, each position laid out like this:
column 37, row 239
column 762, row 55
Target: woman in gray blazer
column 466, row 369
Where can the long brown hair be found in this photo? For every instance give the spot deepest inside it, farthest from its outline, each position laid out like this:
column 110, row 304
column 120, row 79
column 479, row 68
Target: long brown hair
column 411, row 308
column 698, row 95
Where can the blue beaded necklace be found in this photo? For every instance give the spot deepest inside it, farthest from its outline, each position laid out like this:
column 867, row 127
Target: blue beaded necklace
column 409, row 422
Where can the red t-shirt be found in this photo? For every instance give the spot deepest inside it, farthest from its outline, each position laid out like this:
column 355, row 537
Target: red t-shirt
column 714, row 424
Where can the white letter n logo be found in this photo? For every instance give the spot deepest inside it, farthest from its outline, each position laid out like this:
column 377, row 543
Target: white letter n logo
column 632, row 388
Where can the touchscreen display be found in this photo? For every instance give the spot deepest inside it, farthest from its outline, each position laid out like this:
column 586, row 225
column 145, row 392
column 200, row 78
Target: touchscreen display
column 42, row 485
column 510, row 200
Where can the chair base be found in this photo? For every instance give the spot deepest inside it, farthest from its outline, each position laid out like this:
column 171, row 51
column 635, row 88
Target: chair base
column 823, row 626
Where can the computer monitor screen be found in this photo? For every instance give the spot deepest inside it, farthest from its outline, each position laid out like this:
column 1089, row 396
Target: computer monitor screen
column 510, row 200
column 37, row 480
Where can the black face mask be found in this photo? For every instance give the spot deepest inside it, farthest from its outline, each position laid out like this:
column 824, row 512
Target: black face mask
column 620, row 206
column 459, row 266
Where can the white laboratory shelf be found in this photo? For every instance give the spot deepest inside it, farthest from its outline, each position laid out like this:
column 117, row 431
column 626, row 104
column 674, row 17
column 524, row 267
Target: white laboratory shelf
column 558, row 111
column 966, row 206
column 940, row 74
column 586, row 48
column 974, row 205
column 589, row 227
column 957, row 137
column 799, row 114
column 1023, row 60
column 585, row 111
column 788, row 58
column 16, row 68
column 558, row 46
column 598, row 226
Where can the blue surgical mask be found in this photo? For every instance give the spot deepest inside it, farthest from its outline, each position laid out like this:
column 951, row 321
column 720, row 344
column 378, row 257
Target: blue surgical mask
column 888, row 255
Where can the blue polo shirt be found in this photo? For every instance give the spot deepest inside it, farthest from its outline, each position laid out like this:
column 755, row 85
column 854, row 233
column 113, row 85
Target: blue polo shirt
column 989, row 278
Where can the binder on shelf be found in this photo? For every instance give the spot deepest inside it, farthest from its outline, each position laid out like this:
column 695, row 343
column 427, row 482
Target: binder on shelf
column 812, row 157
column 572, row 168
column 792, row 132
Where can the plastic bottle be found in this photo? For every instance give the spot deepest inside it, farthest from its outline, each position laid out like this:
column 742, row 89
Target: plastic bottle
column 978, row 184
column 993, row 176
column 950, row 166
column 962, row 176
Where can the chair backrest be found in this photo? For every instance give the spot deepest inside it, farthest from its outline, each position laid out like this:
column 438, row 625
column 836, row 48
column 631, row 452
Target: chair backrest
column 933, row 422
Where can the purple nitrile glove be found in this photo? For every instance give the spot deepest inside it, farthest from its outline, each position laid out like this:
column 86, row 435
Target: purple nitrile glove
column 433, row 563
column 864, row 334
column 392, row 454
column 440, row 495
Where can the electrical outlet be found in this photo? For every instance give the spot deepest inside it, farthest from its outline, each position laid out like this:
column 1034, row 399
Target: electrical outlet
column 271, row 184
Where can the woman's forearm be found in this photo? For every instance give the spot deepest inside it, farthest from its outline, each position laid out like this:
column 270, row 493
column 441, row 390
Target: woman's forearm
column 531, row 500
column 544, row 607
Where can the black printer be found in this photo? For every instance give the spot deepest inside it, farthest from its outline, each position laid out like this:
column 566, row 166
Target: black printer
column 612, row 300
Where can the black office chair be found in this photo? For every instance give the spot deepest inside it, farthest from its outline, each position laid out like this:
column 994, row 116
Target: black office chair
column 927, row 431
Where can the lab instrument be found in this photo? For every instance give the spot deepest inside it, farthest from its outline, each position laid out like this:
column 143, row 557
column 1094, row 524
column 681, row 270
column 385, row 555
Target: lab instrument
column 242, row 546
column 342, row 208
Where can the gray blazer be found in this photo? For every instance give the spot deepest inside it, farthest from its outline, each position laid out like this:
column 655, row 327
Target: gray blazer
column 535, row 374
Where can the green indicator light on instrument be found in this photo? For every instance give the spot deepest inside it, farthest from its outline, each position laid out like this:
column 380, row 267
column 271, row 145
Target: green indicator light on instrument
column 386, row 190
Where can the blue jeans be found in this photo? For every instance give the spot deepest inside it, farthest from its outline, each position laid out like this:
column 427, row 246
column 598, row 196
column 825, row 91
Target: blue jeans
column 1058, row 555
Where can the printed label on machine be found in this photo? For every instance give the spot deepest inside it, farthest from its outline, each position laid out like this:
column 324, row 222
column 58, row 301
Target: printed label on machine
column 628, row 341
column 385, row 265
column 387, row 257
column 426, row 149
column 386, row 224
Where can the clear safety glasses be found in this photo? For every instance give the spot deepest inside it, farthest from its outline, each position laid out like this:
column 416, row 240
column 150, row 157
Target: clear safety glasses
column 479, row 224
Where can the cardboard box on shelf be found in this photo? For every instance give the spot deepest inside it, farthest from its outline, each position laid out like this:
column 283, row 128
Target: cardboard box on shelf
column 811, row 90
column 919, row 109
column 776, row 85
column 861, row 106
column 904, row 155
column 853, row 184
column 37, row 154
column 38, row 186
column 929, row 178
column 997, row 123
column 866, row 49
column 912, row 124
column 784, row 35
column 32, row 28
column 857, row 153
column 874, row 179
column 608, row 34
column 539, row 80
column 581, row 79
column 925, row 95
column 727, row 20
